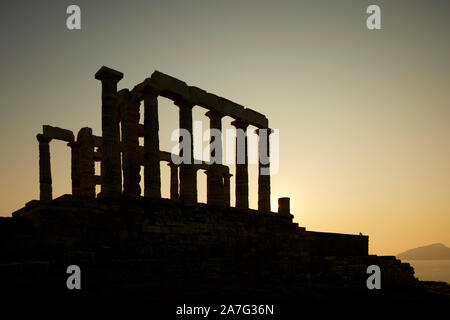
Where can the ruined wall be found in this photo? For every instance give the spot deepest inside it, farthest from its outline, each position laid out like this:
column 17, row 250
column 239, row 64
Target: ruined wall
column 153, row 247
column 149, row 227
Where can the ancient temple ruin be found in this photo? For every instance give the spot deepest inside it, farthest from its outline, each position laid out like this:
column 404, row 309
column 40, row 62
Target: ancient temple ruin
column 120, row 154
column 173, row 247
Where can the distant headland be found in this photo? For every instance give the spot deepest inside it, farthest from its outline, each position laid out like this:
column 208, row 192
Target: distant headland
column 435, row 251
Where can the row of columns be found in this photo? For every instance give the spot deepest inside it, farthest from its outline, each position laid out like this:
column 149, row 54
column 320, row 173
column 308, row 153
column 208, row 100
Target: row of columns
column 119, row 107
column 223, row 176
column 82, row 164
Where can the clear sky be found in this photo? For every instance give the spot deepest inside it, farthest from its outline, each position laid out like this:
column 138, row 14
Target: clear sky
column 364, row 116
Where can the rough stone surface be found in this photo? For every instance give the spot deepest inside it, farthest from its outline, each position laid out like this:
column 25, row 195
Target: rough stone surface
column 57, row 133
column 155, row 247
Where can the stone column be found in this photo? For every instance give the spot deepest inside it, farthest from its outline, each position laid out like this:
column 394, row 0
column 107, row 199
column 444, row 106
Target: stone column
column 87, row 162
column 152, row 171
column 226, row 189
column 45, row 174
column 188, row 175
column 284, row 205
column 214, row 174
column 110, row 165
column 173, row 181
column 263, row 170
column 241, row 164
column 129, row 117
column 75, row 167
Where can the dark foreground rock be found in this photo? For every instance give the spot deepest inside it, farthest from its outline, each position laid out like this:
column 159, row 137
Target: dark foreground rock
column 166, row 251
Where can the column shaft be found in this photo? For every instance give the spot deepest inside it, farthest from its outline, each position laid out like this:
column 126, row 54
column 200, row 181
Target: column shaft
column 263, row 171
column 110, row 165
column 188, row 175
column 215, row 191
column 241, row 165
column 173, row 181
column 129, row 114
column 226, row 189
column 75, row 167
column 86, row 162
column 152, row 171
column 45, row 174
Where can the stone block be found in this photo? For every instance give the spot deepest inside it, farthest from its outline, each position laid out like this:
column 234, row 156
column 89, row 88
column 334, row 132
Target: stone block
column 233, row 109
column 168, row 86
column 197, row 95
column 255, row 118
column 58, row 133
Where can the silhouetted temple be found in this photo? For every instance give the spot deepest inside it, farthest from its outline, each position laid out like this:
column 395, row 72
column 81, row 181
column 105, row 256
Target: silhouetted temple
column 120, row 119
column 128, row 244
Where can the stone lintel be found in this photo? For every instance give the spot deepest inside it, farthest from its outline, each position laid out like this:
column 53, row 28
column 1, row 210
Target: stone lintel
column 168, row 86
column 255, row 118
column 177, row 90
column 136, row 92
column 58, row 133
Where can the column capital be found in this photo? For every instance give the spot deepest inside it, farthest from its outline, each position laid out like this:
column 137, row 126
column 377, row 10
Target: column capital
column 147, row 89
column 182, row 103
column 269, row 130
column 42, row 138
column 213, row 114
column 227, row 175
column 213, row 168
column 240, row 124
column 105, row 73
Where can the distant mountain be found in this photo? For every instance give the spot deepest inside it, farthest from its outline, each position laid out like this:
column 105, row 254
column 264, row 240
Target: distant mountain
column 435, row 251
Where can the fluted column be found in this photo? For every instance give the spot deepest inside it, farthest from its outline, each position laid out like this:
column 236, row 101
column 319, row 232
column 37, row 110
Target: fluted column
column 173, row 181
column 85, row 142
column 188, row 175
column 129, row 116
column 45, row 174
column 241, row 164
column 226, row 189
column 264, row 170
column 110, row 165
column 152, row 171
column 75, row 167
column 214, row 175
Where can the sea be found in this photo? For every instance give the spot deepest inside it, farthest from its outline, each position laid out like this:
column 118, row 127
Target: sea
column 431, row 270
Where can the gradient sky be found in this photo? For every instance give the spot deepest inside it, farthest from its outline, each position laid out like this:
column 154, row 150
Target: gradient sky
column 364, row 116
